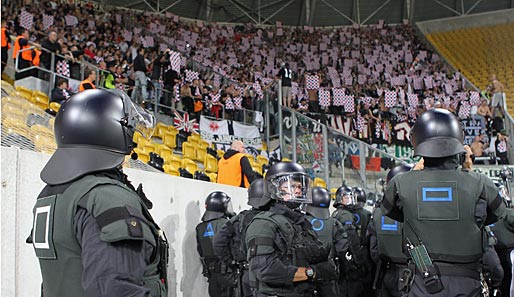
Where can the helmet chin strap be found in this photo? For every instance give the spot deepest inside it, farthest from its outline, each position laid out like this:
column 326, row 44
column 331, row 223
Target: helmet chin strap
column 290, row 204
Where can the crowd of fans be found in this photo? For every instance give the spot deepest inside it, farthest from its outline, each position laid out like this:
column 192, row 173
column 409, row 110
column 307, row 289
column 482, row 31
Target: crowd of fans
column 378, row 74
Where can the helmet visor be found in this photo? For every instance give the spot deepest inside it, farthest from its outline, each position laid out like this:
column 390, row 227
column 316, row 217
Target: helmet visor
column 293, row 187
column 138, row 119
column 348, row 198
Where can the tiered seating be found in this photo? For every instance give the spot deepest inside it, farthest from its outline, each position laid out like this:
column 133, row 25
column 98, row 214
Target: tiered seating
column 480, row 52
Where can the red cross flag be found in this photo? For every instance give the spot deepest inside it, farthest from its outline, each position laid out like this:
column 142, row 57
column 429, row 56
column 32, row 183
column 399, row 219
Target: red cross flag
column 182, row 122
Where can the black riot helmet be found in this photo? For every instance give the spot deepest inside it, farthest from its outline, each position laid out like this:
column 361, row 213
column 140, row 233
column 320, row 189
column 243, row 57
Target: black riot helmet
column 287, row 183
column 342, row 192
column 437, row 133
column 255, row 193
column 320, row 202
column 402, row 168
column 93, row 130
column 360, row 195
column 217, row 204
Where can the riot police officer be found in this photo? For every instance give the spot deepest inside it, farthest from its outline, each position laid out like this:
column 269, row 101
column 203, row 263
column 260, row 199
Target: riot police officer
column 504, row 247
column 385, row 236
column 93, row 233
column 228, row 242
column 330, row 232
column 443, row 209
column 284, row 254
column 218, row 210
column 353, row 265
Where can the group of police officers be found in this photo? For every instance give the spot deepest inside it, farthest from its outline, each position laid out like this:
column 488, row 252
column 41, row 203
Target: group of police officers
column 427, row 237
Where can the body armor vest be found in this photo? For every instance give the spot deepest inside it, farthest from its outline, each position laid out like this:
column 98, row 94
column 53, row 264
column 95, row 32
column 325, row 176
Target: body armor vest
column 324, row 228
column 439, row 207
column 504, row 234
column 55, row 242
column 205, row 232
column 389, row 237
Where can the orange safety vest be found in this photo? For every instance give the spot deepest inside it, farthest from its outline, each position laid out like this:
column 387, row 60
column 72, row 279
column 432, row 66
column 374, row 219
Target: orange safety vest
column 36, row 61
column 26, row 55
column 81, row 86
column 230, row 171
column 5, row 42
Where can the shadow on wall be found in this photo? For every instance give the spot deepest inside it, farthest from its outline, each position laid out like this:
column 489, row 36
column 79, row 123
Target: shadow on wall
column 193, row 282
column 169, row 225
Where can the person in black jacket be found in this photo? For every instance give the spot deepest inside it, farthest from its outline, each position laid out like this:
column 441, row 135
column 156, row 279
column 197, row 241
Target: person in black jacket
column 49, row 46
column 60, row 93
column 140, row 93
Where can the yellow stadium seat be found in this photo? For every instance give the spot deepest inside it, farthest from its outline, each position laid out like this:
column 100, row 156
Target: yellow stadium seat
column 55, row 106
column 23, row 89
column 174, row 160
column 201, row 151
column 193, row 140
column 286, row 159
column 9, row 109
column 319, row 182
column 220, row 153
column 163, row 149
column 170, row 139
column 213, row 176
column 15, row 124
column 142, row 155
column 7, row 86
column 160, row 129
column 188, row 150
column 40, row 94
column 42, row 102
column 149, row 147
column 171, row 169
column 136, row 137
column 189, row 165
column 166, row 155
column 210, row 163
column 262, row 160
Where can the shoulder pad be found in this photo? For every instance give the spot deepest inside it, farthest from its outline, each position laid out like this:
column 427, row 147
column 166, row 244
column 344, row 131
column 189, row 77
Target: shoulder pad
column 118, row 212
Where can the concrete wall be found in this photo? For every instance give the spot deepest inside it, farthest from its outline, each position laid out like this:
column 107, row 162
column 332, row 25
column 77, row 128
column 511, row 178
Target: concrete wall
column 467, row 21
column 178, row 206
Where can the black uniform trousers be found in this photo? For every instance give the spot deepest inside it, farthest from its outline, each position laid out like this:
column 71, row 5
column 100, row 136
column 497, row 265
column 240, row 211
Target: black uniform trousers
column 389, row 285
column 220, row 285
column 504, row 255
column 5, row 55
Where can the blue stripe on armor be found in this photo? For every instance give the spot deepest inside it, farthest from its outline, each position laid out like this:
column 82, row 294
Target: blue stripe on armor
column 447, row 198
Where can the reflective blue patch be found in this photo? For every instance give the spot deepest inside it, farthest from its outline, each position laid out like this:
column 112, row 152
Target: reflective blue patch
column 492, row 225
column 357, row 218
column 209, row 231
column 437, row 194
column 389, row 227
column 322, row 204
column 320, row 224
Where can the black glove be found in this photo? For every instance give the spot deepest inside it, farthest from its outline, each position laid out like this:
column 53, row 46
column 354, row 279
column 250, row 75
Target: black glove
column 325, row 271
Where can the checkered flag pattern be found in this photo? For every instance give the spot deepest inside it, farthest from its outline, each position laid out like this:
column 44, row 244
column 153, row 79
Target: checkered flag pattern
column 175, row 61
column 63, row 68
column 238, row 102
column 401, row 118
column 215, row 97
column 359, row 123
column 412, row 113
column 26, row 19
column 349, row 103
column 348, row 80
column 229, row 104
column 71, row 20
column 413, row 99
column 367, row 101
column 312, row 82
column 502, row 146
column 258, row 90
column 324, row 98
column 397, row 81
column 474, row 98
column 48, row 21
column 418, row 83
column 338, row 97
column 390, row 98
column 464, row 110
column 429, row 83
column 191, row 75
column 294, row 89
column 176, row 90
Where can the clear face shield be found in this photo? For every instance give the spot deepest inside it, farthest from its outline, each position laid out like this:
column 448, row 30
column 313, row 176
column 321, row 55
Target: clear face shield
column 348, row 199
column 137, row 118
column 293, row 187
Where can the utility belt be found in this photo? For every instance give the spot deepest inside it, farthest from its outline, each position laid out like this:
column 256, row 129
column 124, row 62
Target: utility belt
column 214, row 265
column 464, row 270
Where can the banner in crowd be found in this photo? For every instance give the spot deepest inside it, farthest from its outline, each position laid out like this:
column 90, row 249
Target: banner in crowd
column 225, row 132
column 472, row 127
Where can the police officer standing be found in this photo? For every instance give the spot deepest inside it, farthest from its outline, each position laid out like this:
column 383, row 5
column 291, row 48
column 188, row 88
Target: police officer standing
column 229, row 241
column 218, row 210
column 352, row 265
column 443, row 209
column 284, row 254
column 330, row 232
column 385, row 236
column 93, row 233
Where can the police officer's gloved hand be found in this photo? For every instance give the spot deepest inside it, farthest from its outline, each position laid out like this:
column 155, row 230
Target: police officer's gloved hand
column 325, row 271
column 496, row 293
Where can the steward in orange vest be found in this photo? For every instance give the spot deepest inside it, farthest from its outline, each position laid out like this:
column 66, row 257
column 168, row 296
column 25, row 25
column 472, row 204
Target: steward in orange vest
column 6, row 44
column 22, row 42
column 88, row 83
column 234, row 169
